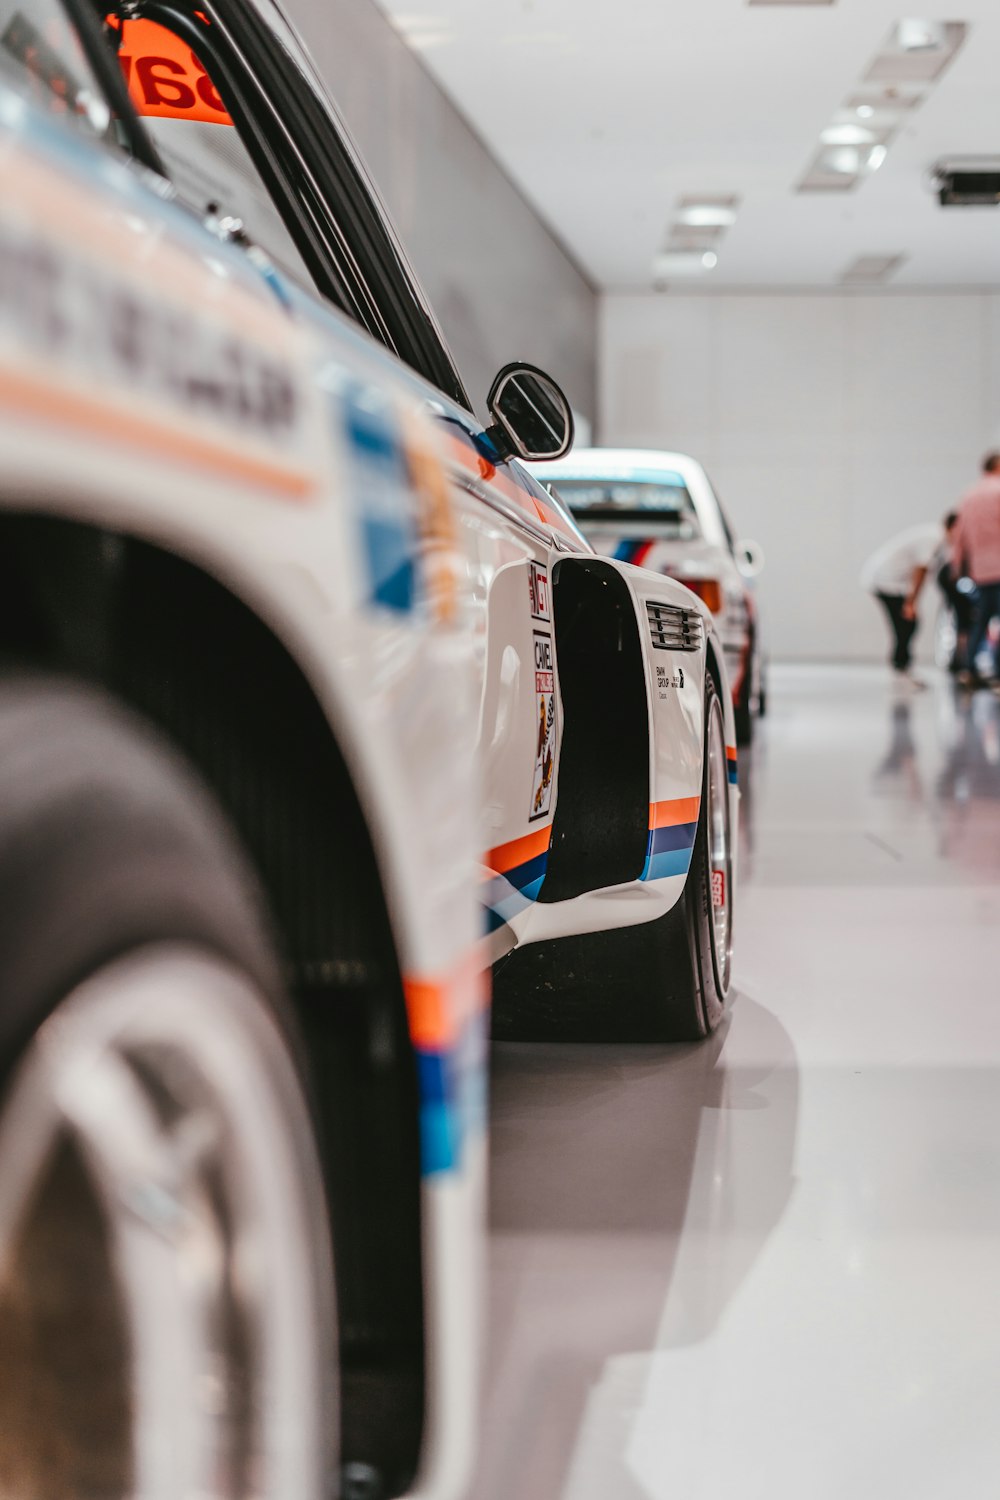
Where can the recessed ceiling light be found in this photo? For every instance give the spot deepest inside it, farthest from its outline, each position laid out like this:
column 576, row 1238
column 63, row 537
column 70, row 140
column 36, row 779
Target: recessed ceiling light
column 710, row 260
column 707, row 215
column 865, row 111
column 670, row 263
column 921, row 36
column 917, row 51
column 847, row 135
column 843, row 159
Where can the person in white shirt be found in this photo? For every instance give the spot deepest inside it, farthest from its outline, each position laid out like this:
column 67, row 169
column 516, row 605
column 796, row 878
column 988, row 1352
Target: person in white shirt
column 895, row 575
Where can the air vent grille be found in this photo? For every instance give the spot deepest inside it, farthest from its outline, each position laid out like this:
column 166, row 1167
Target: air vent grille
column 672, row 628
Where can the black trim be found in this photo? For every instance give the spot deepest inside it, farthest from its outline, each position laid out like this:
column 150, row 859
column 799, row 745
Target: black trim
column 88, row 27
column 297, row 146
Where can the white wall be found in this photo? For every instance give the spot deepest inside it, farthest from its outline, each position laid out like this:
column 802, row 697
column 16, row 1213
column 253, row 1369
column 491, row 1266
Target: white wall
column 826, row 422
column 501, row 285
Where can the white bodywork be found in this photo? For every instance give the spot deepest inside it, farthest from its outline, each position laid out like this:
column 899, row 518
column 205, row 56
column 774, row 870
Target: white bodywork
column 434, row 706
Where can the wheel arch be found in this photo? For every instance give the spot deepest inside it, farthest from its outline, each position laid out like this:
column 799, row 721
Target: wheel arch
column 198, row 649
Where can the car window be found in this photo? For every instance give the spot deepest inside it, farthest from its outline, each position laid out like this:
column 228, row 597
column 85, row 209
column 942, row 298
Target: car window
column 604, row 501
column 174, row 93
column 41, row 56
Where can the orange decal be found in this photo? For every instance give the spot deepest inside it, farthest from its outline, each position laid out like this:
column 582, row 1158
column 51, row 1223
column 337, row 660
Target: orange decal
column 84, row 413
column 519, row 851
column 165, row 78
column 677, row 810
column 438, row 1009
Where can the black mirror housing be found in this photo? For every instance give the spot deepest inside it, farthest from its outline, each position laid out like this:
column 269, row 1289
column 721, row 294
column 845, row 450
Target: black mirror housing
column 532, row 418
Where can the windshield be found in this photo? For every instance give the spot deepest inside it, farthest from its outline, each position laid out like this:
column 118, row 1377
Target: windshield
column 623, row 501
column 41, row 55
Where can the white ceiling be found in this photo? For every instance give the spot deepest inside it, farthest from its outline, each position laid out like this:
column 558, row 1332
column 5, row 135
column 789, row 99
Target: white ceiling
column 606, row 111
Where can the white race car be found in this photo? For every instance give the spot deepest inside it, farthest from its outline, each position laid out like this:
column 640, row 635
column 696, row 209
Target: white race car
column 659, row 510
column 300, row 670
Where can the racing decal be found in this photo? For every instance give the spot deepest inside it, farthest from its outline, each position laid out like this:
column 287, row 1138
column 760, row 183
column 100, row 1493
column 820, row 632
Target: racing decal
column 718, row 889
column 441, row 561
column 518, row 869
column 86, row 348
column 538, row 592
column 668, row 678
column 448, row 1026
column 633, row 552
column 545, row 724
column 164, row 77
column 731, row 765
column 381, row 496
column 672, row 828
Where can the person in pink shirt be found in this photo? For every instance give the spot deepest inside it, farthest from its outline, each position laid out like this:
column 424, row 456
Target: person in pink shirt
column 975, row 553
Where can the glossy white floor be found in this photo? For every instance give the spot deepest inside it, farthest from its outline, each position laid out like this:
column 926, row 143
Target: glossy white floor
column 769, row 1266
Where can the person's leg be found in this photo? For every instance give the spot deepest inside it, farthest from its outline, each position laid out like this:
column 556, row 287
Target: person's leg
column 892, row 605
column 984, row 613
column 991, row 610
column 907, row 630
column 902, row 630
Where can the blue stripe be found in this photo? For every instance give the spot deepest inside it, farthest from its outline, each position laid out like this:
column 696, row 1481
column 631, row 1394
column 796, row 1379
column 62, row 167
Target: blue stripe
column 679, row 836
column 625, row 551
column 670, row 862
column 515, row 889
column 452, row 1097
column 531, row 873
column 733, row 776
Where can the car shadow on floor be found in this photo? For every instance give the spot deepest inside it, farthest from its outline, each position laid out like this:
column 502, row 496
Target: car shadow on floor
column 632, row 1188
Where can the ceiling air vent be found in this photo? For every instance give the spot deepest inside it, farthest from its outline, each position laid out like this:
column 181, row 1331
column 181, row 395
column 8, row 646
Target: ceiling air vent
column 790, row 2
column 870, row 270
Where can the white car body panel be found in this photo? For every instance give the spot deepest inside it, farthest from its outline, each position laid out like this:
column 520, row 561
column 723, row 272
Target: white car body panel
column 435, row 712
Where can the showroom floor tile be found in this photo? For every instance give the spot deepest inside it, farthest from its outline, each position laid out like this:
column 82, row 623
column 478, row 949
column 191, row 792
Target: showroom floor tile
column 767, row 1266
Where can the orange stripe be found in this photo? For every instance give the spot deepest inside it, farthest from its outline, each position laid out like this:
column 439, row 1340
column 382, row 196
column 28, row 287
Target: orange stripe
column 519, row 851
column 437, row 1009
column 537, row 509
column 730, row 752
column 73, row 409
column 677, row 810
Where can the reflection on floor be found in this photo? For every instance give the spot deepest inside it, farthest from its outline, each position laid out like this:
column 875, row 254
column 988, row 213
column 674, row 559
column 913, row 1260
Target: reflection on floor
column 767, row 1267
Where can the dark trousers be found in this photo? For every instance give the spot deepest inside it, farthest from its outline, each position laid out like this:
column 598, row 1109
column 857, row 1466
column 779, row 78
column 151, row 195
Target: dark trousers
column 903, row 630
column 987, row 605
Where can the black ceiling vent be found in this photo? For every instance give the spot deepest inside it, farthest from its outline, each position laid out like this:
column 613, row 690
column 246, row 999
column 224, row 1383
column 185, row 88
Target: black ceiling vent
column 968, row 182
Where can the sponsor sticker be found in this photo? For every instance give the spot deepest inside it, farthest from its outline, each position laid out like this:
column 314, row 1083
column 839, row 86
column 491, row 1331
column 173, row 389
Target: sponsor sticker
column 165, row 79
column 538, row 592
column 668, row 678
column 545, row 725
column 718, row 889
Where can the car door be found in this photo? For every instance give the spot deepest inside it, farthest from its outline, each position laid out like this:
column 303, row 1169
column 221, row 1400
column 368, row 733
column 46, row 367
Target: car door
column 332, row 252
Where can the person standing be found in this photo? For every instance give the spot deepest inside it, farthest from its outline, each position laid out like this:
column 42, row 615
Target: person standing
column 895, row 575
column 975, row 553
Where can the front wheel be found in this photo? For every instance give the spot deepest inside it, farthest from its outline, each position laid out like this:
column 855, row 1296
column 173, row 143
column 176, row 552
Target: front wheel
column 691, row 947
column 166, row 1310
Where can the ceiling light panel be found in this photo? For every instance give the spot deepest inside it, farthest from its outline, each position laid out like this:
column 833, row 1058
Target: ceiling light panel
column 912, row 59
column 917, row 51
column 791, row 2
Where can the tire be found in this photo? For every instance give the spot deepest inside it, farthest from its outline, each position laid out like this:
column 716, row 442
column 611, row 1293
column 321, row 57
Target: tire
column 744, row 720
column 692, row 944
column 666, row 980
column 166, row 1283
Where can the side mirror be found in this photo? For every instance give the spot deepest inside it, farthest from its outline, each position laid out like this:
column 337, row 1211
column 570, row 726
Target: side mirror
column 749, row 558
column 531, row 415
